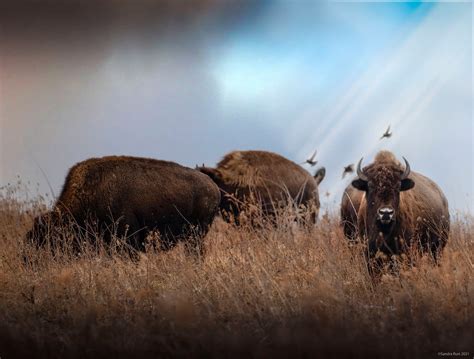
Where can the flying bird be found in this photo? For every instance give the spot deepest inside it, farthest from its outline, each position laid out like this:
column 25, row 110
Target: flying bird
column 387, row 133
column 348, row 169
column 311, row 160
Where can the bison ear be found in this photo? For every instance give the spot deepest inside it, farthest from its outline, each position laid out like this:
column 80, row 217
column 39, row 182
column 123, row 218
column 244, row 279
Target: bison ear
column 360, row 184
column 211, row 172
column 319, row 175
column 407, row 184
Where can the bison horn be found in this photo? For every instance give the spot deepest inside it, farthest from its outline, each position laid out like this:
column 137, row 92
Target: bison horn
column 361, row 173
column 407, row 170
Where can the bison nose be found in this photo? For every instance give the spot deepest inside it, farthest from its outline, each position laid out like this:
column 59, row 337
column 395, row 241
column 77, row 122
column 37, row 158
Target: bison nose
column 385, row 214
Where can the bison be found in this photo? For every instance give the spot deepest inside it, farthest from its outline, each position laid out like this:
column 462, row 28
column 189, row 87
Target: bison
column 397, row 209
column 129, row 197
column 266, row 178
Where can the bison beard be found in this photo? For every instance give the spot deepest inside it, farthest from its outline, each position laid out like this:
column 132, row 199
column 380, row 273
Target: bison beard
column 129, row 197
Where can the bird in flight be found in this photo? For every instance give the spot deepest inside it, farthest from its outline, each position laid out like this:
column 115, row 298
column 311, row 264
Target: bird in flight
column 387, row 133
column 348, row 169
column 311, row 160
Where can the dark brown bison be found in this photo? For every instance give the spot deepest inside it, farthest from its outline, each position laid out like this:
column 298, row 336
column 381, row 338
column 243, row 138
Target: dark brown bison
column 265, row 178
column 129, row 197
column 397, row 209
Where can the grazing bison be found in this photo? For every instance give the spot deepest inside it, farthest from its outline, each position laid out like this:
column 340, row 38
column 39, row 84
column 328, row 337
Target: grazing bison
column 399, row 209
column 265, row 178
column 132, row 196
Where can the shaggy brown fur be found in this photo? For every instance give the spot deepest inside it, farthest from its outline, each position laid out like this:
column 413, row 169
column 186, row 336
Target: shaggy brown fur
column 350, row 204
column 133, row 196
column 264, row 177
column 421, row 211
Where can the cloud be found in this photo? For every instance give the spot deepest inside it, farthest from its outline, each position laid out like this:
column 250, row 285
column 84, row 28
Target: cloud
column 277, row 76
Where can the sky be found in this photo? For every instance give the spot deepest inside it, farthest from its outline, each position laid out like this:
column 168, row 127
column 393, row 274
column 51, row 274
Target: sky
column 190, row 85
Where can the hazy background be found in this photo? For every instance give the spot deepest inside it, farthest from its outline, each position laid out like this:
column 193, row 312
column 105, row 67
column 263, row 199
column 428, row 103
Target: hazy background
column 191, row 81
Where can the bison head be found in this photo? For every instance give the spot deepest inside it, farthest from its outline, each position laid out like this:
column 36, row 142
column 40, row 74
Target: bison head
column 382, row 183
column 228, row 203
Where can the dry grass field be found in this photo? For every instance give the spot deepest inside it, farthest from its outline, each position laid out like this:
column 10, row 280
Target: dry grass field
column 283, row 291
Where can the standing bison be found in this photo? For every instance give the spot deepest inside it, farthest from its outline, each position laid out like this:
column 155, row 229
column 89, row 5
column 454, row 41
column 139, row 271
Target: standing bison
column 397, row 209
column 265, row 178
column 129, row 197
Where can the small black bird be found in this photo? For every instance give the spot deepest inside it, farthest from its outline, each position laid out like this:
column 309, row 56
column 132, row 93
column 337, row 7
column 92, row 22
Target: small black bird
column 311, row 160
column 387, row 133
column 348, row 169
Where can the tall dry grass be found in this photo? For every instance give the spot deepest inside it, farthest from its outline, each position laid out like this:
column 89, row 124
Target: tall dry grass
column 259, row 292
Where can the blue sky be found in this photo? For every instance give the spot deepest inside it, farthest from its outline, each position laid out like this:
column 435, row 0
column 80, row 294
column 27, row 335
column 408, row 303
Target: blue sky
column 361, row 67
column 284, row 76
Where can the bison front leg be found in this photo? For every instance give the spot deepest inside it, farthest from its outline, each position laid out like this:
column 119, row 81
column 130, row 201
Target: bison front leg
column 376, row 266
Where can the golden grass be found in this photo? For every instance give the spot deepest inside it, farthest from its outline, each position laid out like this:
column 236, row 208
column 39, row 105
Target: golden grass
column 268, row 292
